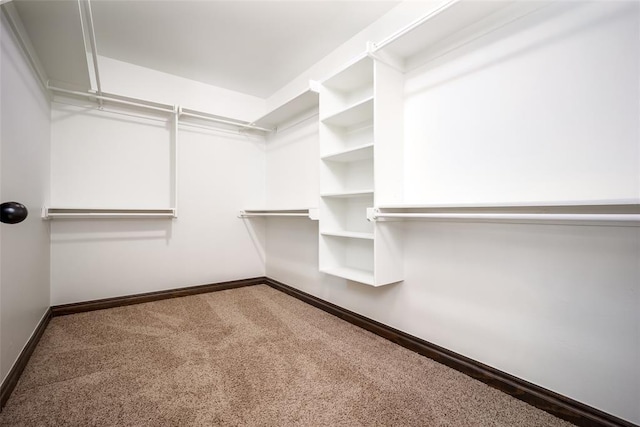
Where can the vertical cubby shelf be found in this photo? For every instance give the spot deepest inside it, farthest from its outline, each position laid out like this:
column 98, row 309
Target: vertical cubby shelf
column 356, row 129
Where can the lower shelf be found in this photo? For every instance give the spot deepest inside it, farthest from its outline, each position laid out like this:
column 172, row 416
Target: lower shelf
column 348, row 234
column 357, row 275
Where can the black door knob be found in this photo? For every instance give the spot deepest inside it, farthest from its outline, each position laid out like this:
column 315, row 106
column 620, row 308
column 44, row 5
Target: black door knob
column 13, row 212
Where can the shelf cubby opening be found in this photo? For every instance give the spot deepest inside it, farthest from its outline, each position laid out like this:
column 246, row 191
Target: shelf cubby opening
column 359, row 152
column 347, row 214
column 345, row 177
column 352, row 115
column 348, row 258
column 338, row 139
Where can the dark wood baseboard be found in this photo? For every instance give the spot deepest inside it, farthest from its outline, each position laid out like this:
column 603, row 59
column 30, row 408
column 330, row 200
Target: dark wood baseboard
column 547, row 400
column 80, row 307
column 14, row 374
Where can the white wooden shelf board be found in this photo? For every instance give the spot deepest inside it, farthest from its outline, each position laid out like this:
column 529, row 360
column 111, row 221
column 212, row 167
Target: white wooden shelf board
column 359, row 193
column 522, row 204
column 360, row 112
column 361, row 152
column 306, row 101
column 348, row 234
column 451, row 25
column 354, row 274
column 356, row 74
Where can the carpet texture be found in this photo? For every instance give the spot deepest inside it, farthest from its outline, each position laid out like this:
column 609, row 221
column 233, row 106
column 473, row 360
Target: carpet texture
column 247, row 356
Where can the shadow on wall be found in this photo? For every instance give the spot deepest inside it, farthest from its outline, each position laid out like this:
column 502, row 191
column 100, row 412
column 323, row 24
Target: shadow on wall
column 237, row 136
column 9, row 61
column 117, row 230
column 293, row 134
column 526, row 23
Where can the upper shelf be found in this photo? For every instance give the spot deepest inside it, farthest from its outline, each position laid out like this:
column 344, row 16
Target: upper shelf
column 306, row 101
column 449, row 26
column 356, row 74
column 360, row 112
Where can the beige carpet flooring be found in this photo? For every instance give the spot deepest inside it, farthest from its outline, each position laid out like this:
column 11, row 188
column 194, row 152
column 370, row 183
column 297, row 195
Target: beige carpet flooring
column 250, row 356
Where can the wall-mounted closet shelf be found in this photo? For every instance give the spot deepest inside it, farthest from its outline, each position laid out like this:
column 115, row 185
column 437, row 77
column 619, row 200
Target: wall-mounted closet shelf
column 446, row 28
column 93, row 213
column 354, row 154
column 579, row 213
column 348, row 234
column 310, row 213
column 607, row 204
column 352, row 76
column 142, row 104
column 346, row 194
column 356, row 113
column 184, row 112
column 357, row 275
column 305, row 102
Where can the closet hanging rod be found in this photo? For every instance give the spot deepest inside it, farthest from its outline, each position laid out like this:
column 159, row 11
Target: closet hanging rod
column 511, row 216
column 223, row 121
column 167, row 109
column 94, row 46
column 248, row 215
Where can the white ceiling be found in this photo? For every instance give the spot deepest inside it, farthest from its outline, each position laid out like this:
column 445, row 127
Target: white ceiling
column 254, row 47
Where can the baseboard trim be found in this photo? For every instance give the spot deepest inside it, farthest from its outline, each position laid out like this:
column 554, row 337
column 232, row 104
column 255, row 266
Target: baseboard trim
column 101, row 304
column 18, row 367
column 547, row 400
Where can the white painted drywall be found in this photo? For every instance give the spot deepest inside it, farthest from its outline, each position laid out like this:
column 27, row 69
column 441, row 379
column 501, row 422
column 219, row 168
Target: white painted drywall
column 108, row 160
column 554, row 305
column 292, row 164
column 544, row 109
column 131, row 80
column 219, row 174
column 24, row 176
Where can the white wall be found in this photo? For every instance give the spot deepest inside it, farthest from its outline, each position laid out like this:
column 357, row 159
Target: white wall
column 24, row 176
column 292, row 164
column 219, row 174
column 554, row 305
column 104, row 159
column 544, row 109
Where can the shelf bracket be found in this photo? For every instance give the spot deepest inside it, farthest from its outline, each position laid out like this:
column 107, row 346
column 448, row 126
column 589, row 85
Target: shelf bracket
column 372, row 214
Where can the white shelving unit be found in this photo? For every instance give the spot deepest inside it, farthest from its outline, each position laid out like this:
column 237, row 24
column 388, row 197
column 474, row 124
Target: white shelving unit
column 360, row 117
